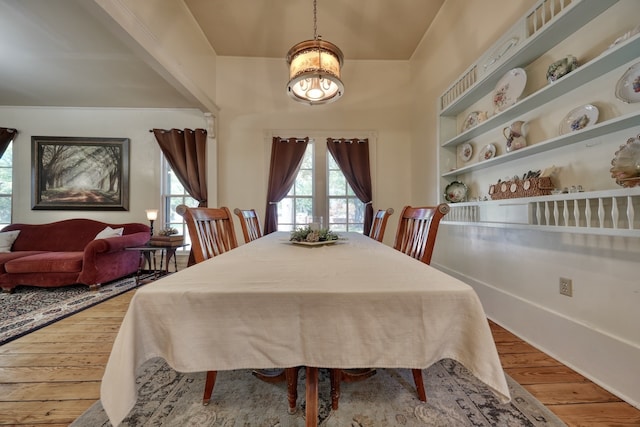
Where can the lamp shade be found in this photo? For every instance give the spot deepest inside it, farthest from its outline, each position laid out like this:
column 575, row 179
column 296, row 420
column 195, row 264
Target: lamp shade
column 314, row 72
column 152, row 214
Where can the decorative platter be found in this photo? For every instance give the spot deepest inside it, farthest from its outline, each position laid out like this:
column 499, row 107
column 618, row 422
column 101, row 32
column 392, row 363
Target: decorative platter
column 579, row 118
column 626, row 163
column 488, row 152
column 628, row 87
column 509, row 88
column 465, row 151
column 473, row 119
column 323, row 243
column 455, row 192
column 500, row 52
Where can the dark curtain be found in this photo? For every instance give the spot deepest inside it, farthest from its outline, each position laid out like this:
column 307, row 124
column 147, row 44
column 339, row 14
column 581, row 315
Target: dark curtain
column 6, row 136
column 286, row 158
column 186, row 153
column 352, row 156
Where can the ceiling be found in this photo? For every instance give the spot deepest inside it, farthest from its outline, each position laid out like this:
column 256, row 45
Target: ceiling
column 60, row 52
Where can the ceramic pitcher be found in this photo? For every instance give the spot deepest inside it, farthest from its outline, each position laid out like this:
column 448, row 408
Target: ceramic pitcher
column 515, row 135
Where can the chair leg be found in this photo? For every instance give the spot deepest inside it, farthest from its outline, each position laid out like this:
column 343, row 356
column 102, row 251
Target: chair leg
column 335, row 376
column 417, row 378
column 292, row 388
column 208, row 386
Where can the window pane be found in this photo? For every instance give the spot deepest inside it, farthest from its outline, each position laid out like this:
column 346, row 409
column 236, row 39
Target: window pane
column 337, row 183
column 337, row 211
column 307, row 159
column 304, row 183
column 6, row 161
column 5, row 211
column 304, row 210
column 331, row 163
column 285, row 211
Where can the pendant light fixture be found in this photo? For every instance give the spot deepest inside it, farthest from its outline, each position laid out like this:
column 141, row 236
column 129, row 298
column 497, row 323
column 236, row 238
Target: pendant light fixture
column 314, row 69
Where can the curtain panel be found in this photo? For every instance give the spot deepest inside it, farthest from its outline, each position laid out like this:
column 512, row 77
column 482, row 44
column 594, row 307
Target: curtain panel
column 286, row 159
column 352, row 156
column 185, row 150
column 6, row 136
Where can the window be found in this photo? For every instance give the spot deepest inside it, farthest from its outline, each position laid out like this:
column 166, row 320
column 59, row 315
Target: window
column 6, row 185
column 320, row 190
column 174, row 194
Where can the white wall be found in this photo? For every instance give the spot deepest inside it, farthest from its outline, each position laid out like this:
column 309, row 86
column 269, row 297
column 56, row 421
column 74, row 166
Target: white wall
column 144, row 180
column 253, row 103
column 516, row 272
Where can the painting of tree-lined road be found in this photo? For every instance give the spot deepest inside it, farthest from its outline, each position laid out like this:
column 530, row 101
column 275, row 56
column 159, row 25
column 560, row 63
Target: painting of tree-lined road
column 76, row 173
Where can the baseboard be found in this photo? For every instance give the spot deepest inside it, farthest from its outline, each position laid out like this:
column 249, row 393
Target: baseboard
column 606, row 360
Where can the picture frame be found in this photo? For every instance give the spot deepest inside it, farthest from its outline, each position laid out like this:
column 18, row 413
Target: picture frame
column 77, row 173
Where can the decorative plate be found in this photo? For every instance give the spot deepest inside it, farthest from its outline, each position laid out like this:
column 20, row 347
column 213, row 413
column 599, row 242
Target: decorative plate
column 473, row 119
column 579, row 118
column 626, row 163
column 455, row 192
column 487, row 152
column 626, row 36
column 499, row 53
column 628, row 87
column 509, row 88
column 325, row 242
column 465, row 151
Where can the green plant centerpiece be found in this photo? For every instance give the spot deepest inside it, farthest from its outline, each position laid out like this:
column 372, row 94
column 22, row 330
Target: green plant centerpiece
column 306, row 234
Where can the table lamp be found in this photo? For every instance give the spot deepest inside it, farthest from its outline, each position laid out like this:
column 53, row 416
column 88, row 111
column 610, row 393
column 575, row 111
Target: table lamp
column 152, row 215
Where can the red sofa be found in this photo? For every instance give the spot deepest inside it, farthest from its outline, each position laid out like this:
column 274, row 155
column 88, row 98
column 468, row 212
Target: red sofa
column 67, row 252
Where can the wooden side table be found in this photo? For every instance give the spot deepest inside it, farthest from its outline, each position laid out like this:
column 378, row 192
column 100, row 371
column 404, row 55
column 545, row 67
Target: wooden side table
column 148, row 258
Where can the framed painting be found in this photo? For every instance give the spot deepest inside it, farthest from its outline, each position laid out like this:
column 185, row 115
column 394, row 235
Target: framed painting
column 70, row 173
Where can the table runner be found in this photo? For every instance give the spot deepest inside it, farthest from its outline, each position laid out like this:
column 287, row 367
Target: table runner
column 273, row 304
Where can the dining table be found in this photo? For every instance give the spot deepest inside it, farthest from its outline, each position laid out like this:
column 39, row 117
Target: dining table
column 273, row 303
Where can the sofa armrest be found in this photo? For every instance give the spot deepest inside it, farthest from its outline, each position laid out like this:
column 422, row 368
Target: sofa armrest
column 105, row 259
column 114, row 244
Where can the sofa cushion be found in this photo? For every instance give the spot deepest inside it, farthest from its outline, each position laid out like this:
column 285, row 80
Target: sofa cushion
column 47, row 262
column 109, row 232
column 6, row 240
column 8, row 256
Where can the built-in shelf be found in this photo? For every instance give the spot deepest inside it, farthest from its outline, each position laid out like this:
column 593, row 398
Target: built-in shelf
column 609, row 60
column 599, row 129
column 607, row 212
column 576, row 15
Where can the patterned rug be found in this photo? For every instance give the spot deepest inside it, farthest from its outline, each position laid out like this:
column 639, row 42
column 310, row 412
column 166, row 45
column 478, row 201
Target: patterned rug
column 30, row 308
column 455, row 398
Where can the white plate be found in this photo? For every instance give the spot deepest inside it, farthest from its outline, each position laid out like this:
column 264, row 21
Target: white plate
column 455, row 192
column 487, row 152
column 628, row 87
column 473, row 119
column 326, row 242
column 465, row 151
column 509, row 88
column 579, row 118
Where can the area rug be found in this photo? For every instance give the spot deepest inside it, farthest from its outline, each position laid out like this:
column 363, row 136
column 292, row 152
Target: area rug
column 30, row 308
column 455, row 398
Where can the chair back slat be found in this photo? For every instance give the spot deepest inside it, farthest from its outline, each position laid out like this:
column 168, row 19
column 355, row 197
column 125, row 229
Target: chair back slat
column 250, row 224
column 211, row 231
column 380, row 224
column 418, row 229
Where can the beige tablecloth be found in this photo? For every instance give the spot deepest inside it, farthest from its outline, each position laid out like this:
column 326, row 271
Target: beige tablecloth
column 272, row 304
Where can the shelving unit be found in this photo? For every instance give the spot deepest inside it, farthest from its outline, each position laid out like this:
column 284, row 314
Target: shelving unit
column 546, row 25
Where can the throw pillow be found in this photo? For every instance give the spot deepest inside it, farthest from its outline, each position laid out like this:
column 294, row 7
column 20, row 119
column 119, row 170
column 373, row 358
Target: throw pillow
column 6, row 240
column 109, row 232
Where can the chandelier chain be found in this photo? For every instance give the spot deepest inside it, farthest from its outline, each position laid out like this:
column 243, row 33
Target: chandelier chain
column 315, row 21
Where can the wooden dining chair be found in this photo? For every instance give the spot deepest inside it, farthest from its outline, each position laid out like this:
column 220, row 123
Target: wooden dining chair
column 416, row 237
column 212, row 233
column 380, row 223
column 250, row 224
column 417, row 230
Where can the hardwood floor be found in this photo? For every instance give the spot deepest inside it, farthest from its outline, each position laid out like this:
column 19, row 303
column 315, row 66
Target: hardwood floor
column 51, row 376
